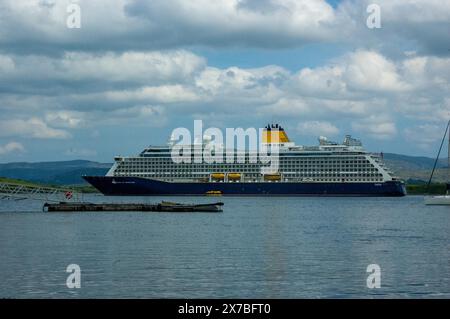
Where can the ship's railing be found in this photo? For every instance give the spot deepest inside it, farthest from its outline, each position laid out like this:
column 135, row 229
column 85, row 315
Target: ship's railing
column 377, row 155
column 379, row 158
column 35, row 192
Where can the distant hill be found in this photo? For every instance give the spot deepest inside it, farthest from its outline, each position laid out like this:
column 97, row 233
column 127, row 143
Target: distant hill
column 61, row 173
column 412, row 162
column 417, row 169
column 414, row 169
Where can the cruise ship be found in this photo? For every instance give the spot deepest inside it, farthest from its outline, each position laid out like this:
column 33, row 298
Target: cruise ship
column 327, row 169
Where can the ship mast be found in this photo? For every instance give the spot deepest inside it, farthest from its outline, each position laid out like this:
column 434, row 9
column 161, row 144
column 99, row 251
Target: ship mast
column 439, row 153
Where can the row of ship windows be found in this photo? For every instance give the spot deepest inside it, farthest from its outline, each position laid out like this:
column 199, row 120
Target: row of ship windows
column 320, row 161
column 235, row 166
column 244, row 169
column 256, row 170
column 307, row 174
column 247, row 163
column 313, row 178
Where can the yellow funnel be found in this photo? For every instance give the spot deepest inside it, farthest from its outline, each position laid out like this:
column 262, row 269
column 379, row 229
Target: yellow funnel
column 274, row 134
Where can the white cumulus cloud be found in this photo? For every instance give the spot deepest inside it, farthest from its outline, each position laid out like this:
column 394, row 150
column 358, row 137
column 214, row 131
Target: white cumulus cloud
column 33, row 127
column 317, row 128
column 11, row 147
column 376, row 126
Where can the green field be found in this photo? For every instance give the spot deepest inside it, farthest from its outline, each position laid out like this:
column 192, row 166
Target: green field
column 434, row 189
column 19, row 182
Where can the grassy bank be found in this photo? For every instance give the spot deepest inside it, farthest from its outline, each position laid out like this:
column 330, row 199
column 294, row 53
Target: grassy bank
column 78, row 188
column 421, row 189
column 19, row 182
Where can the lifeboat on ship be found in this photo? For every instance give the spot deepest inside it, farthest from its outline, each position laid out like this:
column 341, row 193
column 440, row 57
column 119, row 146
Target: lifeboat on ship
column 218, row 176
column 234, row 176
column 272, row 177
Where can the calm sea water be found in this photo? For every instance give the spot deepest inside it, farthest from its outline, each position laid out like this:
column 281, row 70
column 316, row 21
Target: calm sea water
column 257, row 248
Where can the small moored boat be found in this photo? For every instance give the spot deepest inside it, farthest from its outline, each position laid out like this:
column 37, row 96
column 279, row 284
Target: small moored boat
column 437, row 200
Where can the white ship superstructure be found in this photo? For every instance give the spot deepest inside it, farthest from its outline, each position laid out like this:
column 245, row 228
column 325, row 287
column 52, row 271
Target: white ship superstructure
column 328, row 162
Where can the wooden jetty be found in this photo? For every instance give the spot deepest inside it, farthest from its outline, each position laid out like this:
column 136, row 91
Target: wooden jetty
column 127, row 207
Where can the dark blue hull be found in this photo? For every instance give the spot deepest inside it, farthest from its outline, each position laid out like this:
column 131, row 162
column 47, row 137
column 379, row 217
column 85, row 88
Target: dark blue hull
column 116, row 186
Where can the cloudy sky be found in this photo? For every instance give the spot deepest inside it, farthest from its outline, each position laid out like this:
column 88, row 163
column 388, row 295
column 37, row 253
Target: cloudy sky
column 137, row 69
